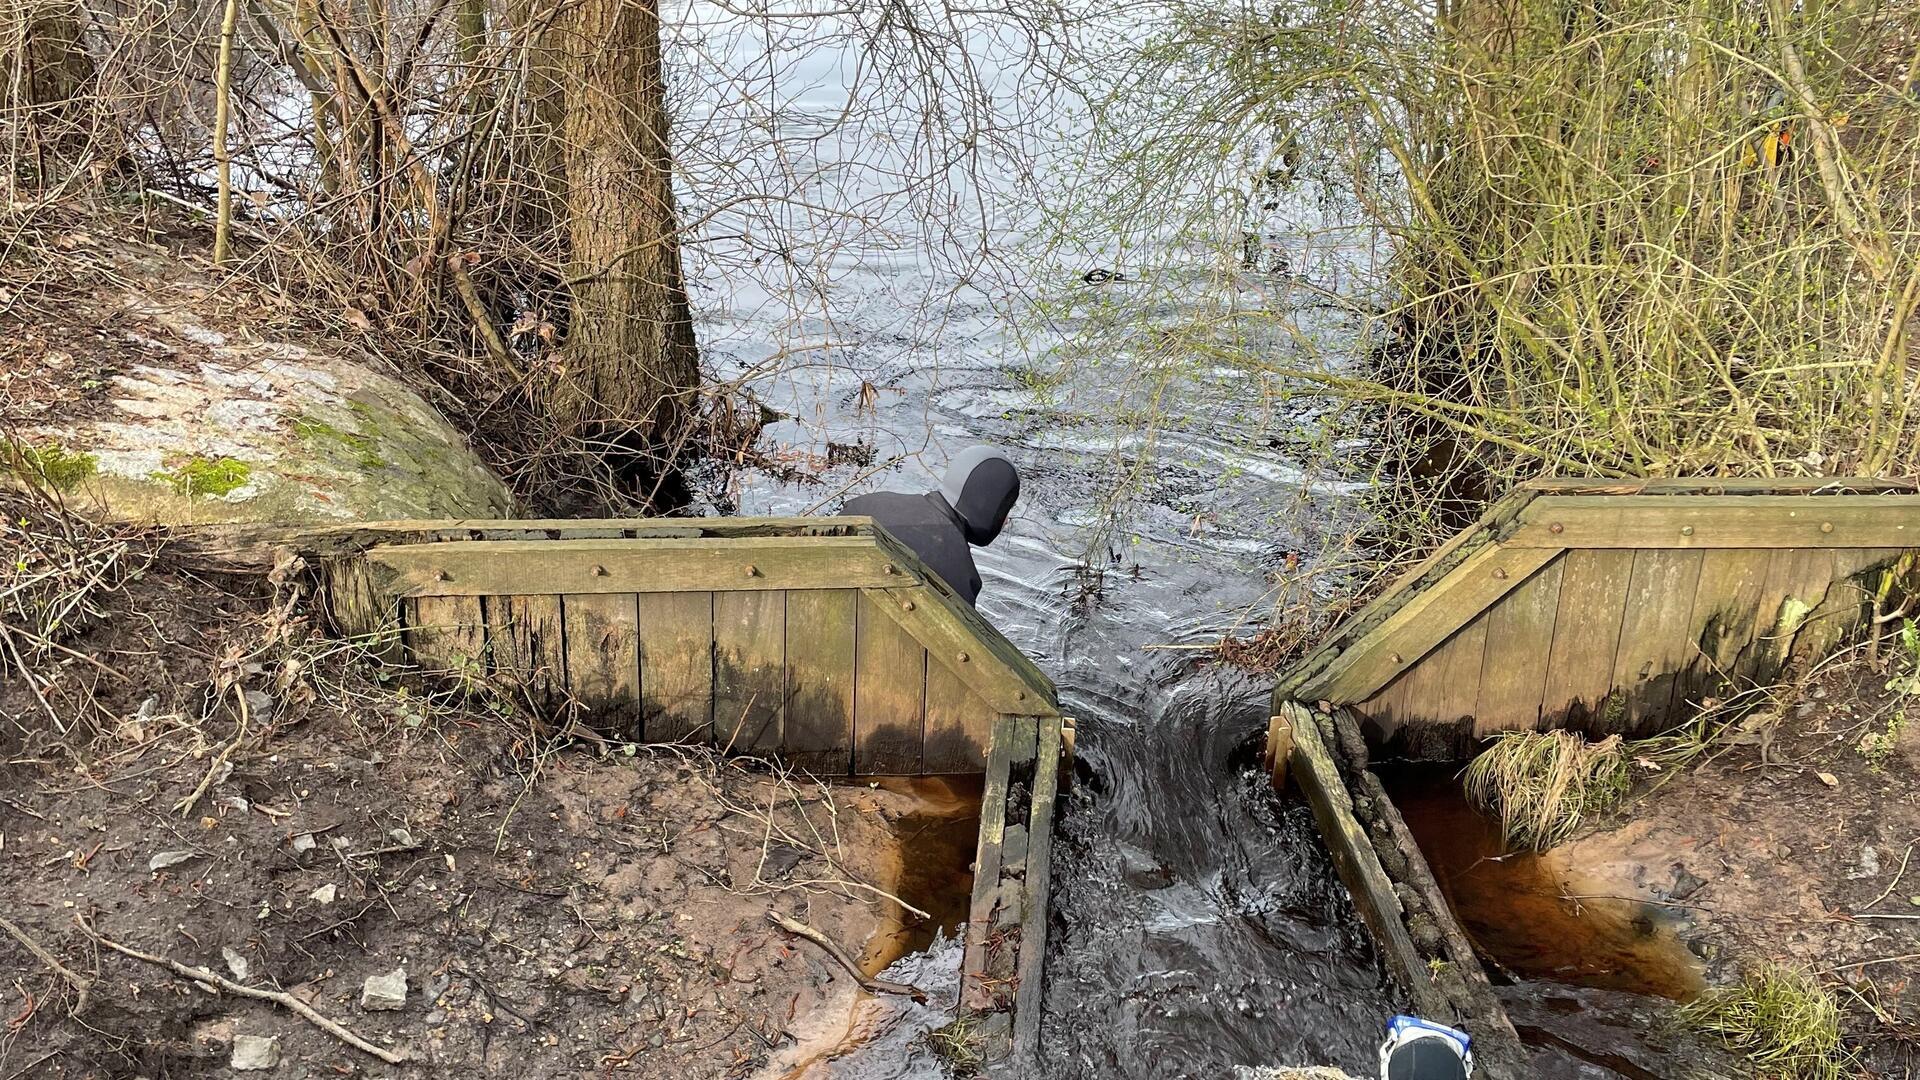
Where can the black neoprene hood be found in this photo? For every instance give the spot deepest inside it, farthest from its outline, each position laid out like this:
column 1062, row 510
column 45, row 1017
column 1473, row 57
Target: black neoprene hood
column 981, row 485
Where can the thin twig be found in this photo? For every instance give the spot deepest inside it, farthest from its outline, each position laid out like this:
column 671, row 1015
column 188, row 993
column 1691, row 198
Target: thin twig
column 81, row 984
column 878, row 986
column 279, row 997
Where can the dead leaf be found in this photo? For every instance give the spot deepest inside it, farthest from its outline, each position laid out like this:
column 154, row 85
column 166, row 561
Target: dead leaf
column 358, row 319
column 1828, row 779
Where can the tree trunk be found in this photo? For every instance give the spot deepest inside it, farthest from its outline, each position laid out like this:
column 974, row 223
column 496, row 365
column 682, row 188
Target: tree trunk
column 48, row 79
column 631, row 369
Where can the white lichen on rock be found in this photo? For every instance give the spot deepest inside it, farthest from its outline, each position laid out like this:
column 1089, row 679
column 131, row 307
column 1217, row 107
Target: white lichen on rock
column 208, row 428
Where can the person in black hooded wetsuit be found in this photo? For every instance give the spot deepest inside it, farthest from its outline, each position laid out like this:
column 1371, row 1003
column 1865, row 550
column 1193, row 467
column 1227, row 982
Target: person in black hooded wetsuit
column 970, row 508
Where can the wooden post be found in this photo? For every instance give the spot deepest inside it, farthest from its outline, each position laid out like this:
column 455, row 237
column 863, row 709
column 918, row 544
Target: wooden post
column 1279, row 749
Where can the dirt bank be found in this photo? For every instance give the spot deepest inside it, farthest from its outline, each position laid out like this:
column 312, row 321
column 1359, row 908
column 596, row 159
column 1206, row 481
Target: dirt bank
column 560, row 908
column 1794, row 840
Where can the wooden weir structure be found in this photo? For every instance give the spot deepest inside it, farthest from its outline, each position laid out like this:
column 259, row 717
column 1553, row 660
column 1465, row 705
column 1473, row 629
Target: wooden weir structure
column 821, row 641
column 1605, row 607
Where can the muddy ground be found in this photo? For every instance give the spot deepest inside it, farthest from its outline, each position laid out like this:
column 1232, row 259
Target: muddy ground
column 1790, row 837
column 1794, row 839
column 561, row 908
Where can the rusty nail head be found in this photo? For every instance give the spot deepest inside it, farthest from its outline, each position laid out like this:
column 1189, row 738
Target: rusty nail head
column 752, row 571
column 1556, row 528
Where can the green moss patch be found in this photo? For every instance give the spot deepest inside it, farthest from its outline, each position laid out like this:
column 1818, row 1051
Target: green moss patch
column 198, row 476
column 53, row 465
column 364, row 448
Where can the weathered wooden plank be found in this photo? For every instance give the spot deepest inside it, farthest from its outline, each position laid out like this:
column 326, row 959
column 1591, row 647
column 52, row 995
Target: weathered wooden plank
column 1656, row 640
column 987, row 859
column 676, row 666
column 889, row 693
column 257, row 543
column 1846, row 604
column 1424, row 621
column 820, row 676
column 527, row 644
column 1519, row 637
column 1496, row 523
column 1386, row 711
column 1586, row 635
column 1027, row 1007
column 1797, row 581
column 959, row 724
column 446, row 634
column 1706, row 485
column 749, row 670
column 603, row 660
column 505, row 567
column 956, row 636
column 1725, row 604
column 1719, row 521
column 1318, row 778
column 361, row 611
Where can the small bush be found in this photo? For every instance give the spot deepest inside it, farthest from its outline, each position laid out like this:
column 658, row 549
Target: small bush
column 1787, row 1024
column 1543, row 785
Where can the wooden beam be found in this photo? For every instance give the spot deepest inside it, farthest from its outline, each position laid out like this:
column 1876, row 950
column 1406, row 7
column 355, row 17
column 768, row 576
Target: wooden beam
column 1318, row 778
column 1027, row 1007
column 1742, row 485
column 988, row 851
column 1719, row 521
column 508, row 567
column 968, row 648
column 1425, row 620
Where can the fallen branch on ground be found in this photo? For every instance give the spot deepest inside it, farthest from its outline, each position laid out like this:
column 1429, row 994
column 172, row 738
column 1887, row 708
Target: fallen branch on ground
column 877, row 986
column 216, row 983
column 81, row 985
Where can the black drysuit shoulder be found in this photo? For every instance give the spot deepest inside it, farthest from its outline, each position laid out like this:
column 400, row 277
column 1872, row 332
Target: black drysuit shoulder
column 931, row 529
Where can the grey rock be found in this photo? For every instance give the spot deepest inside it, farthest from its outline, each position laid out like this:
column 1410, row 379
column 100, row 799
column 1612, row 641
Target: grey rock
column 255, row 1053
column 165, row 859
column 1013, row 845
column 236, row 963
column 384, row 993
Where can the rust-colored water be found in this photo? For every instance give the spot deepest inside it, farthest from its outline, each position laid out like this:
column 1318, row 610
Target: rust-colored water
column 935, row 870
column 1539, row 916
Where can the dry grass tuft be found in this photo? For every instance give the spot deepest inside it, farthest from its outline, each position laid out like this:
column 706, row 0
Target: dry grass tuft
column 1784, row 1021
column 1543, row 785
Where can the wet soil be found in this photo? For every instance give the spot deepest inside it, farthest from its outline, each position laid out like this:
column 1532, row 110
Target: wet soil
column 1787, row 844
column 1782, row 843
column 560, row 909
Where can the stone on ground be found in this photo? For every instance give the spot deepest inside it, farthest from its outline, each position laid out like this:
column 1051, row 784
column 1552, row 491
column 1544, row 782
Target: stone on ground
column 385, row 992
column 253, row 1053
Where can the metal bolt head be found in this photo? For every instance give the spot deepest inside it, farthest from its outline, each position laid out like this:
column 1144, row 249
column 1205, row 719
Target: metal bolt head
column 599, row 571
column 964, row 658
column 1826, row 526
column 889, row 569
column 1499, row 573
column 1686, row 530
column 752, row 571
column 1556, row 528
column 906, row 605
column 440, row 575
column 1394, row 658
